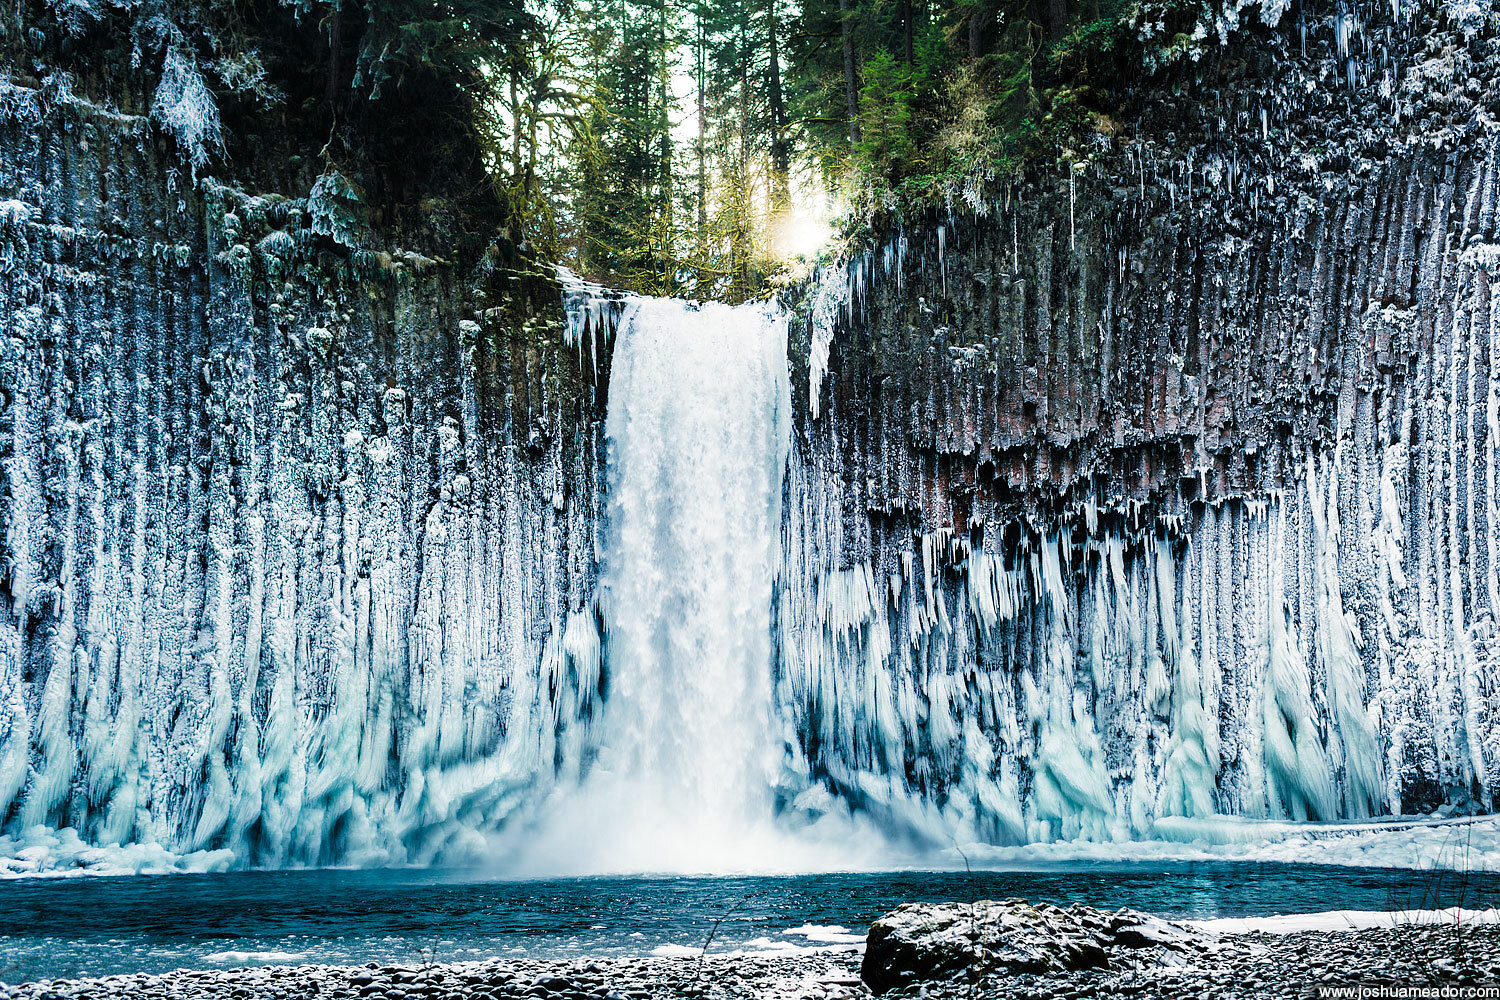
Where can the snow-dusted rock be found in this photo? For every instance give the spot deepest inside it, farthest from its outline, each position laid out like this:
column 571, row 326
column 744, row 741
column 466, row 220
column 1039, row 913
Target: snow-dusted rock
column 928, row 941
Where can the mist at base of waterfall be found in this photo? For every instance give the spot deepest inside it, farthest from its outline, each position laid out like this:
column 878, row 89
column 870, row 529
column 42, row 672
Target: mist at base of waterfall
column 623, row 827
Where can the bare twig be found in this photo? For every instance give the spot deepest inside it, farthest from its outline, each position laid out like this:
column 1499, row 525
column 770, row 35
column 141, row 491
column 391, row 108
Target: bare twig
column 975, row 966
column 712, row 931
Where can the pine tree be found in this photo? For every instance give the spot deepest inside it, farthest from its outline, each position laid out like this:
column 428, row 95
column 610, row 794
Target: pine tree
column 628, row 224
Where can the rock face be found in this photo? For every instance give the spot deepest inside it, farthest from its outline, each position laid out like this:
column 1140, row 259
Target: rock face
column 1164, row 488
column 920, row 942
column 299, row 521
column 1155, row 490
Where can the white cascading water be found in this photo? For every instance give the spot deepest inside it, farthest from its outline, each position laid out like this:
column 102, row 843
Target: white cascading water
column 688, row 749
column 698, row 430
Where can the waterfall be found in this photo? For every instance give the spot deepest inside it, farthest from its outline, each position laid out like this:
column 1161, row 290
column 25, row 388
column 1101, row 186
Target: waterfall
column 1156, row 538
column 697, row 434
column 688, row 750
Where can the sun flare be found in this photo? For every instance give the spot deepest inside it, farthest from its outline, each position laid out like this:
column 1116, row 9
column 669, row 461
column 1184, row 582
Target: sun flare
column 801, row 236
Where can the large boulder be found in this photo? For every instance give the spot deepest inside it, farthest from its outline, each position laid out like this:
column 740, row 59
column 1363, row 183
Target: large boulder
column 920, row 942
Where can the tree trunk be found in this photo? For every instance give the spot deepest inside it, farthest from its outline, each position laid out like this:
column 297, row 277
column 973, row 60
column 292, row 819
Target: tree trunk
column 907, row 30
column 335, row 57
column 529, row 183
column 851, row 87
column 781, row 167
column 700, row 58
column 663, row 138
column 515, row 125
column 741, row 240
column 1057, row 20
column 977, row 18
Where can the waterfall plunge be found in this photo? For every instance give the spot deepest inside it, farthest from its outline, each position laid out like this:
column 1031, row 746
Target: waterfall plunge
column 689, row 748
column 698, row 429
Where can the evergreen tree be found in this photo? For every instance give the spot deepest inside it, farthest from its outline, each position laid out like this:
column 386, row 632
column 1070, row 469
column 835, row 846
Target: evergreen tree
column 628, row 222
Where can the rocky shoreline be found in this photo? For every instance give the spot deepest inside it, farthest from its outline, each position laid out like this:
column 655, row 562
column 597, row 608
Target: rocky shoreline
column 1230, row 965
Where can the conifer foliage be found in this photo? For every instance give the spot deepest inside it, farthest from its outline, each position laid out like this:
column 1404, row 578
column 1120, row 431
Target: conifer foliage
column 660, row 145
column 701, row 126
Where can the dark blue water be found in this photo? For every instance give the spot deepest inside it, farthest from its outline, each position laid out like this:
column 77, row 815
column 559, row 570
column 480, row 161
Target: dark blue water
column 96, row 926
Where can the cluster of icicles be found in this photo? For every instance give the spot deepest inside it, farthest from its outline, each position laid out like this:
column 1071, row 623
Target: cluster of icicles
column 1109, row 676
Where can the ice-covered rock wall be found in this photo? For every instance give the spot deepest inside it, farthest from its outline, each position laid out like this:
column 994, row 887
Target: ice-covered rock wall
column 1165, row 486
column 1156, row 488
column 299, row 520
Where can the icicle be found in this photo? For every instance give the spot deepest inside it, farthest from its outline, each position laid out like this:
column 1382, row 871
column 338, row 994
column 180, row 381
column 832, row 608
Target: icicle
column 942, row 243
column 1072, row 200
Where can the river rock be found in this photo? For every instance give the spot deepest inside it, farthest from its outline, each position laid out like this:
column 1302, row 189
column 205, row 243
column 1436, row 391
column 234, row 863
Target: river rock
column 919, row 942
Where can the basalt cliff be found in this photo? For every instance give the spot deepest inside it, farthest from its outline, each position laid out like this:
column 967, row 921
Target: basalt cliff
column 1153, row 486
